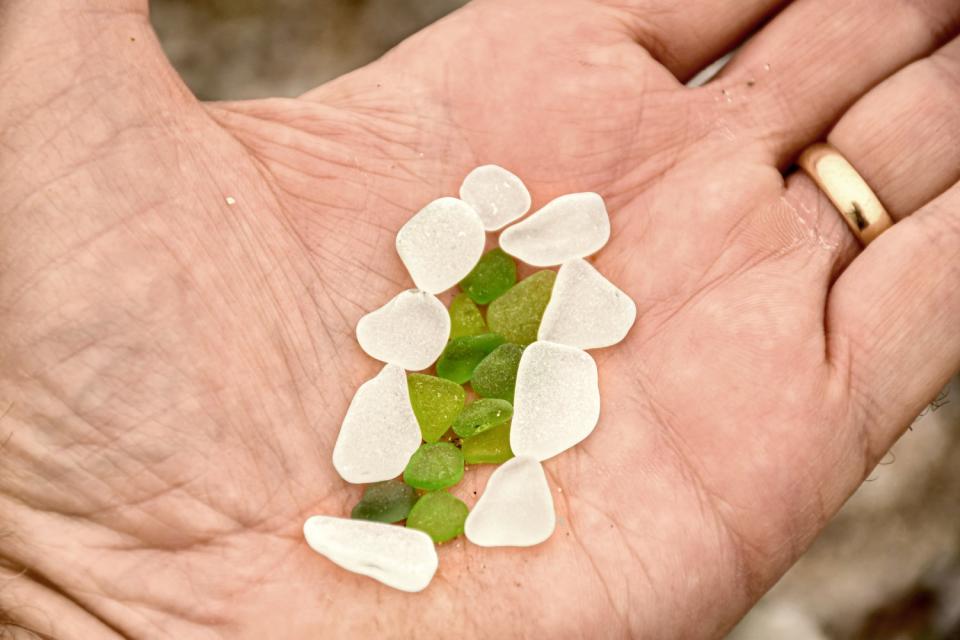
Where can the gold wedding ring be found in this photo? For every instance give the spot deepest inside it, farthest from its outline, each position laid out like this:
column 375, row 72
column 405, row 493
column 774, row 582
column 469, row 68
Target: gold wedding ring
column 847, row 190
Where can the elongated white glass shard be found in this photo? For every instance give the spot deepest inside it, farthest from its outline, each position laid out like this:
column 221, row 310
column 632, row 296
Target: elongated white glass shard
column 402, row 558
column 441, row 243
column 571, row 226
column 410, row 331
column 516, row 508
column 556, row 402
column 586, row 310
column 498, row 196
column 380, row 431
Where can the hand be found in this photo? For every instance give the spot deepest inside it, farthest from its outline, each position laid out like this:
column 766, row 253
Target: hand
column 176, row 366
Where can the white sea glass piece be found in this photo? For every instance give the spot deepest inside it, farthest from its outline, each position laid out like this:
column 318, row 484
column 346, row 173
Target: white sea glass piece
column 380, row 431
column 586, row 310
column 516, row 508
column 556, row 402
column 441, row 243
column 571, row 226
column 498, row 196
column 402, row 558
column 410, row 331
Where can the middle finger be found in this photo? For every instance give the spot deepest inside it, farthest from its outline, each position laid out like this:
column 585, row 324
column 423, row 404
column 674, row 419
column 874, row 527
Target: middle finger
column 903, row 137
column 798, row 74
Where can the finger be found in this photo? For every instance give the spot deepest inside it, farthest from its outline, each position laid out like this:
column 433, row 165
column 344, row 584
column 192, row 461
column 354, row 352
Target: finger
column 687, row 36
column 75, row 49
column 904, row 139
column 798, row 74
column 893, row 319
column 904, row 136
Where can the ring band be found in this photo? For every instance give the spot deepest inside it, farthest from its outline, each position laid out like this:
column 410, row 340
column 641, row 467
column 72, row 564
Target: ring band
column 847, row 190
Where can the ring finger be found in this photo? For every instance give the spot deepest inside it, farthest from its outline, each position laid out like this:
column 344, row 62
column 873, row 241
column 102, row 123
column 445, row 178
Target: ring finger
column 903, row 137
column 891, row 315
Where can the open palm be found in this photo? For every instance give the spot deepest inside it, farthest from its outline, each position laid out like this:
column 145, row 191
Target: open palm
column 181, row 282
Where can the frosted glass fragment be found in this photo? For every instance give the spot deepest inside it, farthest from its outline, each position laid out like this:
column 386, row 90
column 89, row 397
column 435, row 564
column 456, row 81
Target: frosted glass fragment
column 465, row 317
column 436, row 403
column 498, row 196
column 491, row 446
column 388, row 501
column 516, row 314
column 438, row 514
column 402, row 558
column 435, row 465
column 556, row 402
column 441, row 243
column 572, row 226
column 516, row 508
column 410, row 331
column 481, row 415
column 496, row 375
column 379, row 432
column 586, row 310
column 462, row 356
column 491, row 278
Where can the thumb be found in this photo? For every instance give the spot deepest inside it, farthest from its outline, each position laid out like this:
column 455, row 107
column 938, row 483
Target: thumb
column 81, row 56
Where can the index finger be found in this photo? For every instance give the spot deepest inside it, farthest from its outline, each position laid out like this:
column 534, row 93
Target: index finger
column 686, row 36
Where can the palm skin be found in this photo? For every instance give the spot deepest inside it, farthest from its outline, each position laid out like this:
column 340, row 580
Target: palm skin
column 178, row 366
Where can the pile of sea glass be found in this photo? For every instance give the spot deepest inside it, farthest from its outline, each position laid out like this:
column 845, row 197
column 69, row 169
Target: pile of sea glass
column 511, row 384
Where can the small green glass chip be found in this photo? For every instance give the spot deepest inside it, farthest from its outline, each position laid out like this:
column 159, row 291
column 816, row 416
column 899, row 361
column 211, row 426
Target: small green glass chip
column 462, row 355
column 496, row 375
column 435, row 465
column 388, row 501
column 465, row 317
column 493, row 275
column 516, row 314
column 481, row 415
column 438, row 514
column 436, row 402
column 491, row 446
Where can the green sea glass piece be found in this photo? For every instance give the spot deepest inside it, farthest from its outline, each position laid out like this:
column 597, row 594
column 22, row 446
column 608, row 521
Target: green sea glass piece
column 481, row 415
column 438, row 514
column 494, row 274
column 436, row 402
column 491, row 446
column 435, row 465
column 516, row 314
column 388, row 501
column 465, row 317
column 463, row 354
column 496, row 375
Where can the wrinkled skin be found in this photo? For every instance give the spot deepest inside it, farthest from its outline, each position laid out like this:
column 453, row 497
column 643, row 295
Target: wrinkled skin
column 176, row 367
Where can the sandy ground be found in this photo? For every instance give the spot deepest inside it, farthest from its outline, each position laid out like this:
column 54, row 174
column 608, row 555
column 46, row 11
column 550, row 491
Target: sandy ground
column 887, row 567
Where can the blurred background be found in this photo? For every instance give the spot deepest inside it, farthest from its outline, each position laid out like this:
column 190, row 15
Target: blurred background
column 887, row 567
